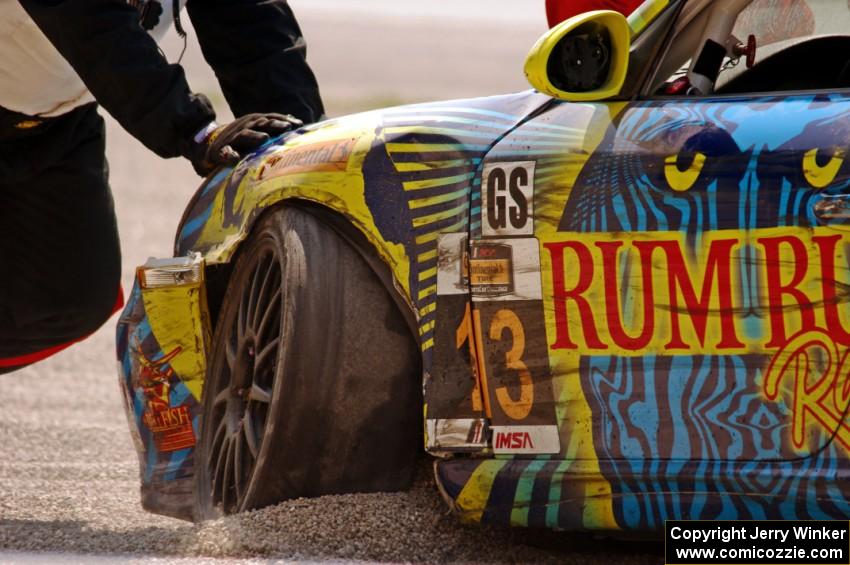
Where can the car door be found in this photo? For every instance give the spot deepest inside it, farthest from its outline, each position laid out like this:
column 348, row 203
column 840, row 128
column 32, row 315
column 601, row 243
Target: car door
column 693, row 289
column 530, row 404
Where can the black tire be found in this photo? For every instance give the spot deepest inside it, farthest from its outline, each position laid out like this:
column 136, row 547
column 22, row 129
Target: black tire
column 312, row 384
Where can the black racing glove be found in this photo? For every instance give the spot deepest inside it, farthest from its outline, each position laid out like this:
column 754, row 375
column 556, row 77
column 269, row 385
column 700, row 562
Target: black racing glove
column 229, row 143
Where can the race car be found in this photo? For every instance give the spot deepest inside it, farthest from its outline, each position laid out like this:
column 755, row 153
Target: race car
column 618, row 298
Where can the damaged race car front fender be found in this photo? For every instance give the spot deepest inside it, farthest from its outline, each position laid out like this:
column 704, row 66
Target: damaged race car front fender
column 163, row 335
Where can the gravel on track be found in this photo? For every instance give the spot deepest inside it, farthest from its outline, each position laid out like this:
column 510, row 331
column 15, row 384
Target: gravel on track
column 69, row 483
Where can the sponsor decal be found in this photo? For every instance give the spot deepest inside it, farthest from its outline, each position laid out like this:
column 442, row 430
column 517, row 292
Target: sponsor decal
column 526, row 439
column 737, row 293
column 325, row 156
column 507, row 199
column 491, row 269
column 513, row 440
column 778, row 293
column 503, row 270
column 810, row 374
column 171, row 426
column 488, row 269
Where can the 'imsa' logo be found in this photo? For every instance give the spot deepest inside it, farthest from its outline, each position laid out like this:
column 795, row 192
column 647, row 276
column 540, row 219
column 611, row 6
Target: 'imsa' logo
column 507, row 198
column 513, row 440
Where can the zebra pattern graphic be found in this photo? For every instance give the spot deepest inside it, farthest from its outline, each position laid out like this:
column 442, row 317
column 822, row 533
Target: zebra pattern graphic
column 713, row 165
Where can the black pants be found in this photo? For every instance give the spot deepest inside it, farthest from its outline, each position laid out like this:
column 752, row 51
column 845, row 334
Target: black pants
column 60, row 259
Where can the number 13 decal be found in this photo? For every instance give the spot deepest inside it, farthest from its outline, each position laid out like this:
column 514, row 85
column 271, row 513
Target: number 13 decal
column 514, row 390
column 515, row 409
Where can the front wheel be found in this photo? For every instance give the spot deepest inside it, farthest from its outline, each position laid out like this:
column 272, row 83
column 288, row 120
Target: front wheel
column 312, row 384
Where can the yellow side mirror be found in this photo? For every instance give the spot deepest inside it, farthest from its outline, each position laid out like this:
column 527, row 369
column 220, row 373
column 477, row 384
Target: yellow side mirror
column 582, row 59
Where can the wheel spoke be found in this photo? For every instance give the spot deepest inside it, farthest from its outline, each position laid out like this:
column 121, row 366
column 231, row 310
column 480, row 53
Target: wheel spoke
column 238, row 440
column 266, row 353
column 218, row 473
column 250, row 434
column 259, row 394
column 221, row 397
column 226, row 487
column 220, row 433
column 242, row 317
column 230, row 354
column 240, row 323
column 270, row 313
column 271, row 274
column 252, row 294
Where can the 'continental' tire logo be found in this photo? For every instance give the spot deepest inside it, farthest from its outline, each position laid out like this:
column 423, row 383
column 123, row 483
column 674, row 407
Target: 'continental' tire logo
column 507, row 198
column 489, row 270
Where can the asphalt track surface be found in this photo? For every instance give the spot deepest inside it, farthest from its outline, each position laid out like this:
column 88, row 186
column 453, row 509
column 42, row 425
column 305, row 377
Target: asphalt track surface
column 68, row 470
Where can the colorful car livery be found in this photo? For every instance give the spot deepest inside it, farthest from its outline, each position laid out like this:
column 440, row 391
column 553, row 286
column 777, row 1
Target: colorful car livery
column 629, row 303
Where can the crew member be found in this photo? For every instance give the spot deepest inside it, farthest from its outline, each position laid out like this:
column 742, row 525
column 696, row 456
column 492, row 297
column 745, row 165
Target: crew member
column 60, row 261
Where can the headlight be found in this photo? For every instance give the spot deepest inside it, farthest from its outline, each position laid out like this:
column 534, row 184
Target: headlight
column 176, row 271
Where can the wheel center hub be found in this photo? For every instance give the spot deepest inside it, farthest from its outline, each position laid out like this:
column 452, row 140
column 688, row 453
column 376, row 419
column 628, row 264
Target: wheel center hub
column 243, row 373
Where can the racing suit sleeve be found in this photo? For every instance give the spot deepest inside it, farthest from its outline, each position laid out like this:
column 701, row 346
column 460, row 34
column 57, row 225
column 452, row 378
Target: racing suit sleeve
column 123, row 68
column 258, row 54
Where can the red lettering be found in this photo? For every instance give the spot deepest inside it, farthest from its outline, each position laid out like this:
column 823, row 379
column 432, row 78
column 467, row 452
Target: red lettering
column 183, row 415
column 584, row 266
column 611, row 275
column 826, row 246
column 514, row 440
column 811, row 384
column 718, row 267
column 776, row 289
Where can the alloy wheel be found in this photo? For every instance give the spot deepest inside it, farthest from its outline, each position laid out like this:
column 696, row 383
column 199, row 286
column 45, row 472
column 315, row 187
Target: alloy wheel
column 244, row 388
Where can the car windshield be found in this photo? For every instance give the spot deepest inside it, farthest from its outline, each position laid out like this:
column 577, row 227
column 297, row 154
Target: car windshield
column 779, row 24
